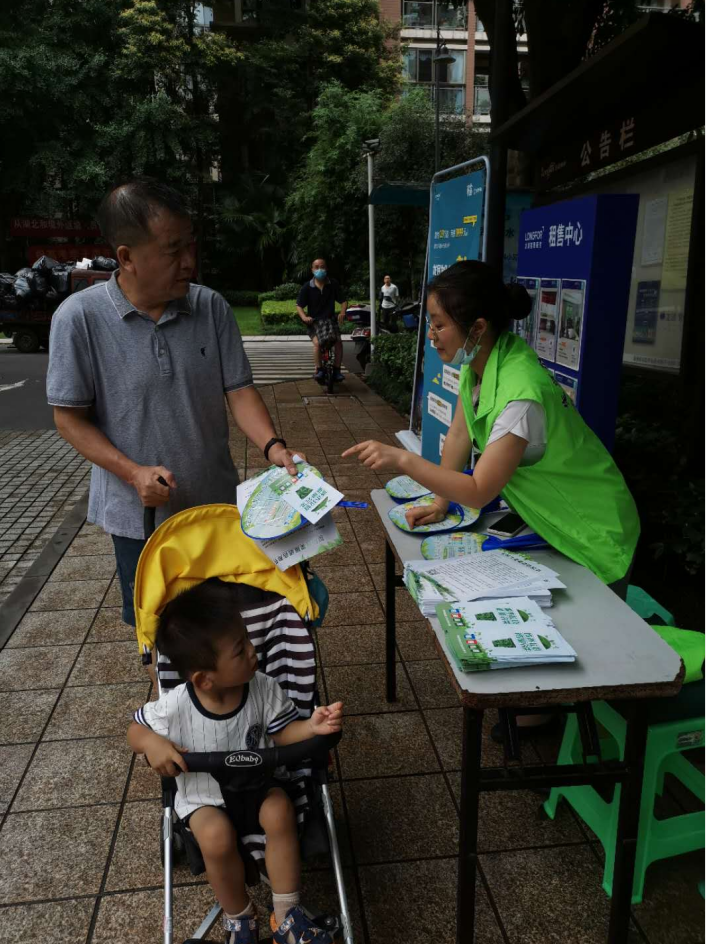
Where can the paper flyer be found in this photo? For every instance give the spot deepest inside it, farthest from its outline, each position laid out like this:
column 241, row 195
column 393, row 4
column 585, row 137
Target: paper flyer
column 501, row 633
column 404, row 488
column 311, row 496
column 653, row 228
column 546, row 330
column 573, row 296
column 303, row 544
column 458, row 544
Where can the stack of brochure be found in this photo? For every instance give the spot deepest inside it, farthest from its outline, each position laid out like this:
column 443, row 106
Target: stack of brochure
column 501, row 634
column 487, row 576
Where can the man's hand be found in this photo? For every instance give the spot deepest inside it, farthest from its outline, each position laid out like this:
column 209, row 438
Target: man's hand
column 308, row 320
column 145, row 482
column 285, row 457
column 427, row 514
column 327, row 720
column 165, row 757
column 377, row 455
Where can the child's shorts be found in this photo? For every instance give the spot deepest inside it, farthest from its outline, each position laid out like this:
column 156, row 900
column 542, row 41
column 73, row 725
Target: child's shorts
column 243, row 807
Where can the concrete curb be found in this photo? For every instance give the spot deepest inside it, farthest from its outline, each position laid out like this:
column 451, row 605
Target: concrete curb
column 23, row 596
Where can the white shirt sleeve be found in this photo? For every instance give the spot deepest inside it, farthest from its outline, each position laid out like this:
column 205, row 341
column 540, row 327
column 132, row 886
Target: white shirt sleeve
column 155, row 715
column 522, row 418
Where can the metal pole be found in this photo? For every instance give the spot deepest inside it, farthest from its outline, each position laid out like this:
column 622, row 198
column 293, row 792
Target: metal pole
column 371, row 254
column 437, row 142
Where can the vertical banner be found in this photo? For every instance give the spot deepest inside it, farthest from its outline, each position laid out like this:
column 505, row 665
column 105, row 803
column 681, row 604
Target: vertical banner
column 545, row 339
column 455, row 232
column 573, row 294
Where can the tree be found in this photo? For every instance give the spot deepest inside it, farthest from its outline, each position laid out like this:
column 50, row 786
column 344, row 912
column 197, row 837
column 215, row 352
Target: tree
column 328, row 204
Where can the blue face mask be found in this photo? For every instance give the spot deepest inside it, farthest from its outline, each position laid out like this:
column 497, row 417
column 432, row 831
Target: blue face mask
column 462, row 357
column 319, row 274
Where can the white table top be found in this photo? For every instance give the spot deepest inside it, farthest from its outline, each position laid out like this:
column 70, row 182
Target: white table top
column 618, row 654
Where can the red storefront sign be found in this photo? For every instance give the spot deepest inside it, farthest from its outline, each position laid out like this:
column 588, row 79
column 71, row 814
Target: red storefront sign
column 43, row 227
column 67, row 252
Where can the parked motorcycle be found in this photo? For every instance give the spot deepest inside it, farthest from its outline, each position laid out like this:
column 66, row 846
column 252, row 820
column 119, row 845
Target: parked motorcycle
column 404, row 316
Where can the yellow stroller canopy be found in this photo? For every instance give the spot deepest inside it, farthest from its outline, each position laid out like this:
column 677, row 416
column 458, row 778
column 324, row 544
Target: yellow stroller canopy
column 204, row 542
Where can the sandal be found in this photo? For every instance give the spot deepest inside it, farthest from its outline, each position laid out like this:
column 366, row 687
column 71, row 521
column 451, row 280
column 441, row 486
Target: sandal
column 301, row 925
column 241, row 930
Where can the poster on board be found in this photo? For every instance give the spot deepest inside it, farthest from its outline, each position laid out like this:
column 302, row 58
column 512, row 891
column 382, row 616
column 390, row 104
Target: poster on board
column 546, row 330
column 644, row 329
column 526, row 327
column 573, row 297
column 567, row 383
column 455, row 233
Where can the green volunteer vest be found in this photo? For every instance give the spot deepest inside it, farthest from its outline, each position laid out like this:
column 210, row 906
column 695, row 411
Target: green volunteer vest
column 574, row 497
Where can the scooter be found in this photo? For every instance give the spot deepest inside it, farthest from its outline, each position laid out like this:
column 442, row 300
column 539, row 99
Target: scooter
column 389, row 323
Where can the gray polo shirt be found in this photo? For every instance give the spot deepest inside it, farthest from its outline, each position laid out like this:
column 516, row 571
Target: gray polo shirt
column 155, row 390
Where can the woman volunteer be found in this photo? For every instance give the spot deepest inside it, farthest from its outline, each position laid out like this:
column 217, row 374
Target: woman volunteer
column 537, row 452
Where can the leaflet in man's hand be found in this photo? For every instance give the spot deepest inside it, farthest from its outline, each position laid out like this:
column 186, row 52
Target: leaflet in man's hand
column 504, row 633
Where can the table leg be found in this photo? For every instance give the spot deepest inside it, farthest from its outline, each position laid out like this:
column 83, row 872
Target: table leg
column 628, row 822
column 390, row 582
column 468, row 839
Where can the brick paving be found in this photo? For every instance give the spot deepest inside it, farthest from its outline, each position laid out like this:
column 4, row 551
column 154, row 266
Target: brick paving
column 41, row 479
column 79, row 814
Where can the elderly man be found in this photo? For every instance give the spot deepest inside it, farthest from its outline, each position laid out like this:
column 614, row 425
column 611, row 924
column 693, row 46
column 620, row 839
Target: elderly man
column 140, row 369
column 316, row 301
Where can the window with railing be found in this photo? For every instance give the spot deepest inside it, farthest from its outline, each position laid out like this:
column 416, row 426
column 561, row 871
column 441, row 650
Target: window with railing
column 419, row 69
column 481, row 94
column 421, row 14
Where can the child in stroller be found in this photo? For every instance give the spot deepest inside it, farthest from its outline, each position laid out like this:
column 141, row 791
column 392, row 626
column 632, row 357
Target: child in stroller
column 226, row 704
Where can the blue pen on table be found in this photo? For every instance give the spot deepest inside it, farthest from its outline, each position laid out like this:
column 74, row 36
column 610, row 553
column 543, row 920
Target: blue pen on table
column 495, row 543
column 350, row 504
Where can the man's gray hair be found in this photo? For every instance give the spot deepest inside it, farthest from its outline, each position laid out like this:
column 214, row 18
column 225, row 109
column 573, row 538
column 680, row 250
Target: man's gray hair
column 125, row 213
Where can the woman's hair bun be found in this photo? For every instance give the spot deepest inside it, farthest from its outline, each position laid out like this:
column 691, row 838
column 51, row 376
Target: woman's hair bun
column 519, row 302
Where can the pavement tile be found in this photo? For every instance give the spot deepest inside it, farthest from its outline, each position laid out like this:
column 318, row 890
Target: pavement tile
column 671, row 891
column 424, row 910
column 84, row 568
column 356, row 480
column 374, row 552
column 348, row 554
column 38, row 667
column 432, row 684
column 24, row 714
column 343, row 579
column 559, row 899
column 114, row 596
column 415, row 641
column 446, row 726
column 69, row 921
column 43, row 855
column 61, row 628
column 71, row 595
column 145, row 784
column 107, row 662
column 361, row 688
column 351, row 645
column 75, row 773
column 346, row 609
column 136, row 917
column 401, row 818
column 13, row 763
column 515, row 820
column 385, row 746
column 405, row 607
column 108, row 626
column 135, row 862
column 109, row 708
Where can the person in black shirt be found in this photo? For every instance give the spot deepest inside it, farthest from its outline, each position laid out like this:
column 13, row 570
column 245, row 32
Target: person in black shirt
column 317, row 300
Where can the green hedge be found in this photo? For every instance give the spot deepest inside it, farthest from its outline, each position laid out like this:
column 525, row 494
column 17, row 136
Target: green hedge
column 392, row 373
column 286, row 292
column 273, row 312
column 241, row 299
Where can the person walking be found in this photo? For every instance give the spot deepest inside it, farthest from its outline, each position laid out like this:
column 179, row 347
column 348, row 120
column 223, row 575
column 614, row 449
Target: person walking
column 389, row 296
column 140, row 370
column 316, row 301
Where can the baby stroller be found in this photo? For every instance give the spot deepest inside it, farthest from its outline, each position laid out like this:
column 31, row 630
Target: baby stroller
column 279, row 613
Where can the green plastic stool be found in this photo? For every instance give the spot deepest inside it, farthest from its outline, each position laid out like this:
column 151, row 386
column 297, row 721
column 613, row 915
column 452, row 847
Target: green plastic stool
column 657, row 839
column 676, row 725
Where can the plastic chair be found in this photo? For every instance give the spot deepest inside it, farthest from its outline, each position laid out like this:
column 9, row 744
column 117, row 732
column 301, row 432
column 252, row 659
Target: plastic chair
column 676, row 725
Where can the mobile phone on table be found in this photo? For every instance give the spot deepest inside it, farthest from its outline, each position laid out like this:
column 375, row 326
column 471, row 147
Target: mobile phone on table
column 507, row 526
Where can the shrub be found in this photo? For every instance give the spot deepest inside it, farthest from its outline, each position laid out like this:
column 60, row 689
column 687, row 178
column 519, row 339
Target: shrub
column 392, row 373
column 292, row 326
column 241, row 298
column 286, row 292
column 266, row 297
column 273, row 312
column 358, row 290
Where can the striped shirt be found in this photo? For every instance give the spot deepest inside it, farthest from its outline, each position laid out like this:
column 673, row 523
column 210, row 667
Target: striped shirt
column 179, row 716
